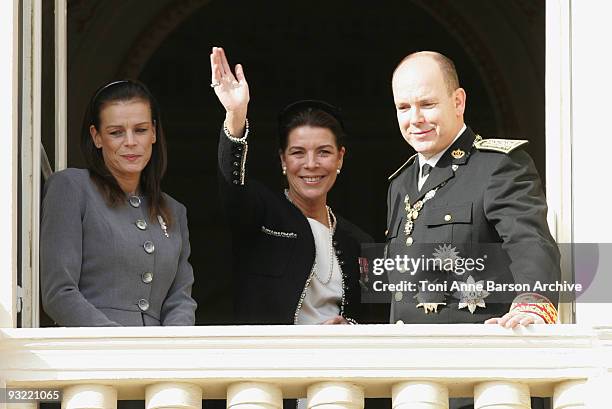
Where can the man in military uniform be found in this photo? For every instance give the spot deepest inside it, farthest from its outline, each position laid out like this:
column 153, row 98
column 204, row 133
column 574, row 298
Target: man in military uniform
column 460, row 193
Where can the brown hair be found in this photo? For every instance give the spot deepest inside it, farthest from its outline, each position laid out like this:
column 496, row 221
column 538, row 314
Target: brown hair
column 151, row 176
column 312, row 113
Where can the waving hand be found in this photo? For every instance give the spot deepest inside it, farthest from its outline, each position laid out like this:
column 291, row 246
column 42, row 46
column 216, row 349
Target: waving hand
column 232, row 91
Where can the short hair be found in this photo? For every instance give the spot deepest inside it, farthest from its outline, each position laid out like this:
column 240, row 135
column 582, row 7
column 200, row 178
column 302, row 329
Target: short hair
column 150, row 179
column 446, row 65
column 312, row 113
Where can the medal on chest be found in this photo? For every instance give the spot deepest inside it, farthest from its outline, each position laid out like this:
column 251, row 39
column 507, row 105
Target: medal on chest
column 412, row 213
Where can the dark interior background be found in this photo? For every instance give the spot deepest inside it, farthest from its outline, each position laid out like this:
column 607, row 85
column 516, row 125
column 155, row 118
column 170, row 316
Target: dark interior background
column 341, row 51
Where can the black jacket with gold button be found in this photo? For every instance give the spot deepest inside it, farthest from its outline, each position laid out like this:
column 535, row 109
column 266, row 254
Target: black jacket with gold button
column 488, row 205
column 273, row 246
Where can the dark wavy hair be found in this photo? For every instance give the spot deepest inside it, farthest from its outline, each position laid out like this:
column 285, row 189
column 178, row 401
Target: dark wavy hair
column 152, row 174
column 312, row 113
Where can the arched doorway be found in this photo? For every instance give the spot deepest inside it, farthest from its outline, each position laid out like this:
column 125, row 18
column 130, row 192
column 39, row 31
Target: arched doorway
column 340, row 51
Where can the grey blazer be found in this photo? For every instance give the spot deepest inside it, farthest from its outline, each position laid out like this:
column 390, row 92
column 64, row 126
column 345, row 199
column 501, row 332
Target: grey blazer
column 103, row 266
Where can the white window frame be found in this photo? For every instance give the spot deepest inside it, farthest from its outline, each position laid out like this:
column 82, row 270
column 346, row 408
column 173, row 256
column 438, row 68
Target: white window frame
column 559, row 134
column 34, row 158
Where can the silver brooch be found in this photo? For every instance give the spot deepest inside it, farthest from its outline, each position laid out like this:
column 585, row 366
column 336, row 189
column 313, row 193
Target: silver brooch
column 448, row 256
column 163, row 225
column 472, row 295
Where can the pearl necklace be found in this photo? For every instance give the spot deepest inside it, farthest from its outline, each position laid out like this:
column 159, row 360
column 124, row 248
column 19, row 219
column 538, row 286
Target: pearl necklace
column 332, row 227
column 330, row 215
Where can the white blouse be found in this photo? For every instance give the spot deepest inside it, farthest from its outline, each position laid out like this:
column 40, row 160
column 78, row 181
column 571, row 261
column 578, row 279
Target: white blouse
column 322, row 301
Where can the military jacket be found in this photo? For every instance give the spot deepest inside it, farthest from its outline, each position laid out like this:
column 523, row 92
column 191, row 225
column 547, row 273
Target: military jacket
column 484, row 202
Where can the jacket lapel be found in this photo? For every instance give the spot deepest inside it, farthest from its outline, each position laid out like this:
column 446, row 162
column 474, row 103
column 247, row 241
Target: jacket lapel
column 413, row 181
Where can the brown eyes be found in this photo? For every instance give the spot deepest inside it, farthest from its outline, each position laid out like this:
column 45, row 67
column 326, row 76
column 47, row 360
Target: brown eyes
column 301, row 153
column 118, row 132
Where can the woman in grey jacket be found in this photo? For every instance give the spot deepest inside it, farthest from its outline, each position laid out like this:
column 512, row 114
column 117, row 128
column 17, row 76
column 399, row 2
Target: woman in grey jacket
column 114, row 247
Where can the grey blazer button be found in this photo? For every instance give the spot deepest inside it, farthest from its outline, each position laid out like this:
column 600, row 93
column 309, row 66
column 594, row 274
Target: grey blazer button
column 143, row 304
column 148, row 246
column 147, row 277
column 134, row 201
column 141, row 224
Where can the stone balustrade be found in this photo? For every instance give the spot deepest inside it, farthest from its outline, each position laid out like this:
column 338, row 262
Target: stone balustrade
column 330, row 367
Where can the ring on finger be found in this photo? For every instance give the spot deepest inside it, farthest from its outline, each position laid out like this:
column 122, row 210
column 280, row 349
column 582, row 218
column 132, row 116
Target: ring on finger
column 215, row 84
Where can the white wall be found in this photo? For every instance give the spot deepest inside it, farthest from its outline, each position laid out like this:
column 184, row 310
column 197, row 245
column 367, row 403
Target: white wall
column 591, row 62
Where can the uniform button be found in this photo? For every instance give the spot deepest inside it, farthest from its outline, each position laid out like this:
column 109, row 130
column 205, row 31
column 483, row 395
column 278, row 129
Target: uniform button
column 237, row 155
column 147, row 277
column 239, row 148
column 398, row 296
column 141, row 224
column 148, row 246
column 409, row 241
column 448, row 218
column 235, row 173
column 235, row 182
column 134, row 201
column 143, row 304
column 236, row 164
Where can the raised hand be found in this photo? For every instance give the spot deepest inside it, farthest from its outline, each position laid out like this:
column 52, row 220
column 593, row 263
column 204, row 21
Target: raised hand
column 232, row 91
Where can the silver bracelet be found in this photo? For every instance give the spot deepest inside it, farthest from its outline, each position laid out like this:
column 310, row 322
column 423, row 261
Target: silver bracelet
column 241, row 140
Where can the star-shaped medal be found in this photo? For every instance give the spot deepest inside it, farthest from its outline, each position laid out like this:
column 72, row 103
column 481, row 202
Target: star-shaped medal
column 473, row 296
column 448, row 257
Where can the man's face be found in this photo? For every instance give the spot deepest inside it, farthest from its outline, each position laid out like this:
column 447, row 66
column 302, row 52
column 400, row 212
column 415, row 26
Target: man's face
column 428, row 116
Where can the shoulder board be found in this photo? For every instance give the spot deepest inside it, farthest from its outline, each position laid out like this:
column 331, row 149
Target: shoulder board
column 499, row 145
column 407, row 163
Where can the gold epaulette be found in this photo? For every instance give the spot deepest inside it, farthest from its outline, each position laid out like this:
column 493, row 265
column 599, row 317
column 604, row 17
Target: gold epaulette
column 499, row 145
column 407, row 163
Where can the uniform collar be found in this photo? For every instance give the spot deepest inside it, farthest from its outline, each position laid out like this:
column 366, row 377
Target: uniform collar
column 454, row 156
column 435, row 158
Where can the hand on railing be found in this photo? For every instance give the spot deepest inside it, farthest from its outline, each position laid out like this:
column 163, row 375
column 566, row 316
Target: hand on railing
column 513, row 319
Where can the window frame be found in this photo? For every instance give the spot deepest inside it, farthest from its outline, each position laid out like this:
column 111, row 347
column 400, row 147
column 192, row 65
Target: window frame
column 34, row 159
